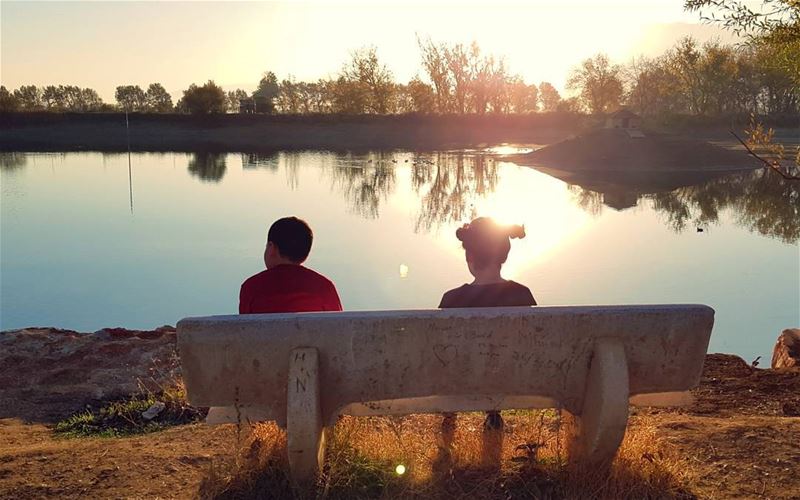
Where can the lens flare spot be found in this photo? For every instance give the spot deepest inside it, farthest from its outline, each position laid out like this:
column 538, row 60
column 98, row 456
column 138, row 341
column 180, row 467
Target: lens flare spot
column 403, row 271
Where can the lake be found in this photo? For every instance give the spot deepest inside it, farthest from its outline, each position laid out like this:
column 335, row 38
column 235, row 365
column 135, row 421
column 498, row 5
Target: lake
column 87, row 243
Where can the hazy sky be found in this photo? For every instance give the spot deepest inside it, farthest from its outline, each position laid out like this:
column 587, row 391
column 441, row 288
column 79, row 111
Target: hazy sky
column 105, row 44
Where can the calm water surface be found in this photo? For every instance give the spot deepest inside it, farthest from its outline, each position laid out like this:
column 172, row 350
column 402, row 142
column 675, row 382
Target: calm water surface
column 76, row 254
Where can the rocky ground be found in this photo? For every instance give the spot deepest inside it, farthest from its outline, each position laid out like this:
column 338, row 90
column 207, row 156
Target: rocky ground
column 741, row 436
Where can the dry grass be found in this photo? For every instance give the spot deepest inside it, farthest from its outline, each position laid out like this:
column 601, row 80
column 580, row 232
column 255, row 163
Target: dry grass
column 470, row 463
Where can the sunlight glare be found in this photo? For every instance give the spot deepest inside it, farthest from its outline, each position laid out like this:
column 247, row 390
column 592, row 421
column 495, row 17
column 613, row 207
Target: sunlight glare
column 527, row 197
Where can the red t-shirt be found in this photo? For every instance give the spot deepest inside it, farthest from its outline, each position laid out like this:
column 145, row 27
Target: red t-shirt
column 288, row 288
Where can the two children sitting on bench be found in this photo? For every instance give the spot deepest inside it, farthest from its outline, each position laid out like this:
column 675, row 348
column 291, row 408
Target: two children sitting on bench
column 287, row 286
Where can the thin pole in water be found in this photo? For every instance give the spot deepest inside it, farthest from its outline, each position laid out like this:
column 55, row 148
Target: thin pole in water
column 130, row 175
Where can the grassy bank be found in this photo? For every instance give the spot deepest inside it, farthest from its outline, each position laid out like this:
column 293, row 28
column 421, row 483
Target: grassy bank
column 253, row 133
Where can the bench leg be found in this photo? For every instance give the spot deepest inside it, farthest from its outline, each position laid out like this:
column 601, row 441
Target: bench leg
column 304, row 424
column 597, row 433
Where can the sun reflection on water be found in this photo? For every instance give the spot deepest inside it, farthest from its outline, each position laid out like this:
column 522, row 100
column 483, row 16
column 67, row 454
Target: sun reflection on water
column 542, row 204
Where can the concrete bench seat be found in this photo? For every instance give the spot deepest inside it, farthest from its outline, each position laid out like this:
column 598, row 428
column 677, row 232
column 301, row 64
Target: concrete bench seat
column 304, row 370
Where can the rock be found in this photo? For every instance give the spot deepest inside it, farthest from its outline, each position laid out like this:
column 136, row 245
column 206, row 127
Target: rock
column 153, row 411
column 786, row 353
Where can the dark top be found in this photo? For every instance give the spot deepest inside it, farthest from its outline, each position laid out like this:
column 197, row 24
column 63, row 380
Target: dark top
column 506, row 294
column 288, row 288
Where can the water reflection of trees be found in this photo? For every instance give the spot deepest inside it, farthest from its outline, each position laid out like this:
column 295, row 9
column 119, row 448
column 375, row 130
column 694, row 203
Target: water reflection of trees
column 208, row 167
column 364, row 180
column 257, row 160
column 448, row 185
column 760, row 201
column 12, row 161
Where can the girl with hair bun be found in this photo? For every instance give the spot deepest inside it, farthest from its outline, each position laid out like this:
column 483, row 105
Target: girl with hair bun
column 486, row 245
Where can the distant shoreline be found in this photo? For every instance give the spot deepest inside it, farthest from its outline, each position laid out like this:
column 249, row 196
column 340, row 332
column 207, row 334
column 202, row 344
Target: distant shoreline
column 105, row 132
column 47, row 132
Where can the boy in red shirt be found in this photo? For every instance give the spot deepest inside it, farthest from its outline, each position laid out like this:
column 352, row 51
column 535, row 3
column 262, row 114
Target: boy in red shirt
column 287, row 286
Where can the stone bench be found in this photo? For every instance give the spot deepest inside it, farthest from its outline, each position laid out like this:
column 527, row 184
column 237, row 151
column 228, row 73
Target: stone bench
column 304, row 370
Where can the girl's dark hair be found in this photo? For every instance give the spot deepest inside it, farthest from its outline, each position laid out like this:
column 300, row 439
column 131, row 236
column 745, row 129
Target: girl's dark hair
column 293, row 237
column 487, row 242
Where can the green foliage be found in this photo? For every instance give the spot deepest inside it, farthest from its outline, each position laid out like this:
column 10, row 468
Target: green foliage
column 599, row 84
column 124, row 417
column 418, row 97
column 364, row 85
column 29, row 97
column 779, row 20
column 63, row 98
column 710, row 80
column 206, row 99
column 549, row 97
column 775, row 24
column 264, row 96
column 233, row 98
column 157, row 99
column 353, row 474
column 8, row 102
column 131, row 98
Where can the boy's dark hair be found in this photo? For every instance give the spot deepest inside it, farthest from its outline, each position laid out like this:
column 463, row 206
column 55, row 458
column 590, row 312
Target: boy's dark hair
column 293, row 237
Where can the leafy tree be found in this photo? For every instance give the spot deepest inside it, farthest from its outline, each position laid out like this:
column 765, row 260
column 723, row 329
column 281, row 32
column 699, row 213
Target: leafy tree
column 157, row 99
column 290, row 96
column 654, row 89
column 206, row 99
column 524, row 98
column 89, row 100
column 366, row 78
column 233, row 97
column 775, row 26
column 778, row 19
column 316, row 96
column 598, row 82
column 422, row 98
column 52, row 97
column 71, row 98
column 131, row 98
column 7, row 100
column 29, row 97
column 569, row 105
column 348, row 97
column 268, row 89
column 549, row 97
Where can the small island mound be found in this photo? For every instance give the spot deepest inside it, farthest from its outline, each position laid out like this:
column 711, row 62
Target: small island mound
column 630, row 149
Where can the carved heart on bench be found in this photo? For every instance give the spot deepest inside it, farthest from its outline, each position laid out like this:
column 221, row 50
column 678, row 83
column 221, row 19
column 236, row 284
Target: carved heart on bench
column 445, row 353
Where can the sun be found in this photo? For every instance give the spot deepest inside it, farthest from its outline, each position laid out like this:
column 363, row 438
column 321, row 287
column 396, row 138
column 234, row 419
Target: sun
column 540, row 203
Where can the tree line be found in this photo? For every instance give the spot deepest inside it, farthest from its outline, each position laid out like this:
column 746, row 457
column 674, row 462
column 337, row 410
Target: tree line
column 708, row 79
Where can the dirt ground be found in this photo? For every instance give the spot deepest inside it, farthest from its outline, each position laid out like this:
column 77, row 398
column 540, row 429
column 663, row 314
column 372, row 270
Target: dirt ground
column 741, row 438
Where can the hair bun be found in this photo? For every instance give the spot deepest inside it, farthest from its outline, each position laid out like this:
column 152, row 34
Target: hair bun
column 516, row 231
column 462, row 232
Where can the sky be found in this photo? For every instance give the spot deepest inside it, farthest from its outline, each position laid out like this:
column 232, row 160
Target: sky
column 105, row 44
